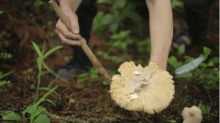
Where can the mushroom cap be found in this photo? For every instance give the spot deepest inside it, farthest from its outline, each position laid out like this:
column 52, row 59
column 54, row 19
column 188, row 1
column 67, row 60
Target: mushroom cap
column 192, row 115
column 149, row 89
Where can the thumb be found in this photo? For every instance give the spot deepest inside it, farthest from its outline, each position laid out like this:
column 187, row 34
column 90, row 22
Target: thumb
column 74, row 25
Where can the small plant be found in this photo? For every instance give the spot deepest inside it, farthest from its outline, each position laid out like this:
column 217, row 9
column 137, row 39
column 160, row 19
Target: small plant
column 98, row 110
column 170, row 119
column 206, row 74
column 2, row 75
column 121, row 10
column 40, row 63
column 1, row 11
column 37, row 114
column 176, row 3
column 107, row 56
column 93, row 75
column 173, row 62
column 205, row 109
column 10, row 115
column 5, row 55
column 121, row 41
column 72, row 101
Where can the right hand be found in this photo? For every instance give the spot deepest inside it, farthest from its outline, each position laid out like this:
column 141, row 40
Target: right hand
column 69, row 37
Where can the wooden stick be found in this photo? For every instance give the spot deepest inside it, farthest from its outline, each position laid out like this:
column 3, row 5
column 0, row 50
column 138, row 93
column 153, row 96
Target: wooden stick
column 95, row 61
column 84, row 45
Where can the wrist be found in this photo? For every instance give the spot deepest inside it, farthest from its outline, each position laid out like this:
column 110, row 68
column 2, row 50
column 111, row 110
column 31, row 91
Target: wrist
column 65, row 5
column 70, row 5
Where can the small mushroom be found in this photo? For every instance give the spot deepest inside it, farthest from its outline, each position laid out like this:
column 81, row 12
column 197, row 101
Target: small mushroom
column 192, row 115
column 149, row 89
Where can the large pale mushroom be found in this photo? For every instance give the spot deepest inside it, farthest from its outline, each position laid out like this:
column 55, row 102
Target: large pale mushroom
column 149, row 89
column 192, row 115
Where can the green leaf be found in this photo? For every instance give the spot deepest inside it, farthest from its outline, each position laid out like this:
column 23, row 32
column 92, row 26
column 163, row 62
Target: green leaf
column 114, row 27
column 51, row 51
column 176, row 3
column 3, row 83
column 32, row 87
column 72, row 101
column 37, row 49
column 82, row 77
column 188, row 59
column 42, row 118
column 39, row 111
column 1, row 11
column 47, row 89
column 120, row 3
column 49, row 101
column 123, row 34
column 205, row 109
column 173, row 61
column 106, row 19
column 39, row 63
column 134, row 16
column 214, row 60
column 10, row 115
column 98, row 110
column 210, row 64
column 105, row 83
column 206, row 52
column 2, row 76
column 45, row 96
column 43, row 49
column 30, row 109
column 181, row 49
column 104, row 1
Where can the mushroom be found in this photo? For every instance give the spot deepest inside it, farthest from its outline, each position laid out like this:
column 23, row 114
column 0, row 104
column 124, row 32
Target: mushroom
column 149, row 89
column 192, row 115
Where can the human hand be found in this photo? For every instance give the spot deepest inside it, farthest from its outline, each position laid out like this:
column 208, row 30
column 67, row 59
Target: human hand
column 70, row 37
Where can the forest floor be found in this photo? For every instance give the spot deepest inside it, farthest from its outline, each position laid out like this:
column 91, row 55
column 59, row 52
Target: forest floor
column 21, row 24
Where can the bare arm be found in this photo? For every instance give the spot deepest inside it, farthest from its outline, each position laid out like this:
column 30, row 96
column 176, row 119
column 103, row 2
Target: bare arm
column 161, row 30
column 68, row 5
column 69, row 8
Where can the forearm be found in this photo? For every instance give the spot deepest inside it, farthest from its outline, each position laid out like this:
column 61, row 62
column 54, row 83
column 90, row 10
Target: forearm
column 161, row 30
column 67, row 5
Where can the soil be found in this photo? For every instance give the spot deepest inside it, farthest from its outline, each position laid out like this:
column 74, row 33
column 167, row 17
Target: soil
column 21, row 23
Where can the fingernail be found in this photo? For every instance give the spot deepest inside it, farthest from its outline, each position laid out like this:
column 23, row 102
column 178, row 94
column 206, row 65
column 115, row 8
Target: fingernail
column 76, row 31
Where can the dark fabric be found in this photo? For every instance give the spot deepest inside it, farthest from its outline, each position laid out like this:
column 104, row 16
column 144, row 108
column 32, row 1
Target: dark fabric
column 197, row 14
column 86, row 13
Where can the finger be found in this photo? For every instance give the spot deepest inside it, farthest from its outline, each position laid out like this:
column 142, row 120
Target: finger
column 65, row 32
column 66, row 40
column 74, row 26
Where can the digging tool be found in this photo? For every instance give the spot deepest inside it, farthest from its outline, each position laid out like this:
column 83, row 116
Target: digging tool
column 85, row 47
